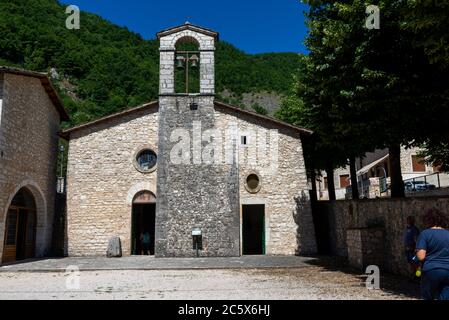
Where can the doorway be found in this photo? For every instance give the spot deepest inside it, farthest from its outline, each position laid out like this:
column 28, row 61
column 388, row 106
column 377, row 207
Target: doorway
column 143, row 223
column 253, row 229
column 20, row 230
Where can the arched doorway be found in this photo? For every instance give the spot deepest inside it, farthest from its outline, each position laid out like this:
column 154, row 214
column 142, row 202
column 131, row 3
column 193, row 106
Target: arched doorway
column 20, row 228
column 143, row 223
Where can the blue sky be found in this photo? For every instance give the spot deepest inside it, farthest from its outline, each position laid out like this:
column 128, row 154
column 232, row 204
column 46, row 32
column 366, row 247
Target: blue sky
column 254, row 26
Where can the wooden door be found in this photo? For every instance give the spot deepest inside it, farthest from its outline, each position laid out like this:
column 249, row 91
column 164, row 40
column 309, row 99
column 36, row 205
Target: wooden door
column 10, row 244
column 30, row 234
column 20, row 234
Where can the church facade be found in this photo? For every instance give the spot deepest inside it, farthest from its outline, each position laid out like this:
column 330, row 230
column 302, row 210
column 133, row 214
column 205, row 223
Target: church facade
column 200, row 177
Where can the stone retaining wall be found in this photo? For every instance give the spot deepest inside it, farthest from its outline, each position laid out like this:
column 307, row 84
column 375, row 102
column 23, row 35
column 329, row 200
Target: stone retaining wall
column 389, row 214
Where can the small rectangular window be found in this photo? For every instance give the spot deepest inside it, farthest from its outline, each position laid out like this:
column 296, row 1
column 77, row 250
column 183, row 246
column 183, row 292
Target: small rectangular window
column 244, row 140
column 344, row 181
column 418, row 164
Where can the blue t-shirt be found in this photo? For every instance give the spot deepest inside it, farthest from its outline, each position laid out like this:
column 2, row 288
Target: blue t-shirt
column 436, row 244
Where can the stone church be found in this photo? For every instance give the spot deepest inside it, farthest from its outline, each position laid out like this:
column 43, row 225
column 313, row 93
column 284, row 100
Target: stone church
column 195, row 176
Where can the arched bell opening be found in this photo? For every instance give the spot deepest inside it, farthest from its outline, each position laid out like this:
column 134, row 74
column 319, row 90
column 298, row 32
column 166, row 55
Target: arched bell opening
column 187, row 66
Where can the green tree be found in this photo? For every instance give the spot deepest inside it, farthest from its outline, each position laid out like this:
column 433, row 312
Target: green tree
column 259, row 109
column 366, row 89
column 428, row 22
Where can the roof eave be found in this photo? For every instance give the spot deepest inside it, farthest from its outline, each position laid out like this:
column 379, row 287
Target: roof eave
column 302, row 131
column 46, row 83
column 66, row 133
column 188, row 26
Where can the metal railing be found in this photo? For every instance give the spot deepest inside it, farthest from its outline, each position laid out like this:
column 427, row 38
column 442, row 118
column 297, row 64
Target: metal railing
column 427, row 182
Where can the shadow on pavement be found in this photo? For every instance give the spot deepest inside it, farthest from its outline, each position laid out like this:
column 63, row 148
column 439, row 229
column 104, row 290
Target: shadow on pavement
column 389, row 283
column 25, row 261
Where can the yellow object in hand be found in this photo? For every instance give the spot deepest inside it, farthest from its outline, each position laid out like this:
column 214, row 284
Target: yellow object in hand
column 418, row 273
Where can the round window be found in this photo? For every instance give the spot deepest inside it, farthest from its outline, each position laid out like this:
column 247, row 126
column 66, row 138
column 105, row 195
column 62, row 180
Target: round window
column 146, row 160
column 252, row 183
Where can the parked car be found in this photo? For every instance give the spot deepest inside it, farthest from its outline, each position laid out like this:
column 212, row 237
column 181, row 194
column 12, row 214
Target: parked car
column 418, row 185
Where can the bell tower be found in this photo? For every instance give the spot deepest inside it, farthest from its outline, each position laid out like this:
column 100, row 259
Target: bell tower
column 171, row 57
column 192, row 194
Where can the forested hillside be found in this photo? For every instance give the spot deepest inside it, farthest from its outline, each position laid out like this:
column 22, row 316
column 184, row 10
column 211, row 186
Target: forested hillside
column 103, row 68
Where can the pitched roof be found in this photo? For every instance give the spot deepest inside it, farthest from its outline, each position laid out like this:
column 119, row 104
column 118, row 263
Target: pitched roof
column 66, row 133
column 188, row 26
column 262, row 117
column 46, row 83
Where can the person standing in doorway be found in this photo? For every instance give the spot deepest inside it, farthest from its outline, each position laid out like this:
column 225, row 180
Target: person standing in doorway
column 145, row 239
column 432, row 249
column 411, row 234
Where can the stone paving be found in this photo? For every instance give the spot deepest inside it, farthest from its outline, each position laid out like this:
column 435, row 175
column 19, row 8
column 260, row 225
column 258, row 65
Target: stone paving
column 241, row 278
column 307, row 283
column 151, row 263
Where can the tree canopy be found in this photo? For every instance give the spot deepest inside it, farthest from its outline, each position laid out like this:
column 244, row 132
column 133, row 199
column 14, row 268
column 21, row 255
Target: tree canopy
column 362, row 89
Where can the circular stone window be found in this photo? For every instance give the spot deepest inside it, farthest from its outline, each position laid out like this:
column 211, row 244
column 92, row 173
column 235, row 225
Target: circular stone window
column 252, row 183
column 146, row 160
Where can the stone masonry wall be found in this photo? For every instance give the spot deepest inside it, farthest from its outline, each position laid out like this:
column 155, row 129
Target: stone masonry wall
column 365, row 247
column 289, row 226
column 28, row 149
column 102, row 180
column 389, row 214
column 194, row 193
column 407, row 165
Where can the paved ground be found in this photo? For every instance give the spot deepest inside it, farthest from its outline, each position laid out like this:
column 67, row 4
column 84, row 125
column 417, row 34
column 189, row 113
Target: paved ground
column 304, row 279
column 151, row 263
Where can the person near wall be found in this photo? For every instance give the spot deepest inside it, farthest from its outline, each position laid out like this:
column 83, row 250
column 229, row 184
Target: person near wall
column 411, row 234
column 145, row 238
column 432, row 249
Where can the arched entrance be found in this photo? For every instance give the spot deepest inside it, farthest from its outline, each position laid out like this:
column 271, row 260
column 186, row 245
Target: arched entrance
column 143, row 223
column 20, row 228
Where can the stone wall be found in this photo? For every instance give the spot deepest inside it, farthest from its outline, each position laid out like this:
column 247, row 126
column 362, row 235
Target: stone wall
column 365, row 247
column 429, row 193
column 284, row 191
column 28, row 149
column 389, row 214
column 194, row 193
column 102, row 180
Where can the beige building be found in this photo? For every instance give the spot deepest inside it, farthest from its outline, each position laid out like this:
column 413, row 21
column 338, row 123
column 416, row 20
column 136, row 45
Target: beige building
column 375, row 165
column 195, row 175
column 30, row 114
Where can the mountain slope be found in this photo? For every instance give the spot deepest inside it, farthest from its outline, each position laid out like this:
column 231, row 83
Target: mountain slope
column 103, row 68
